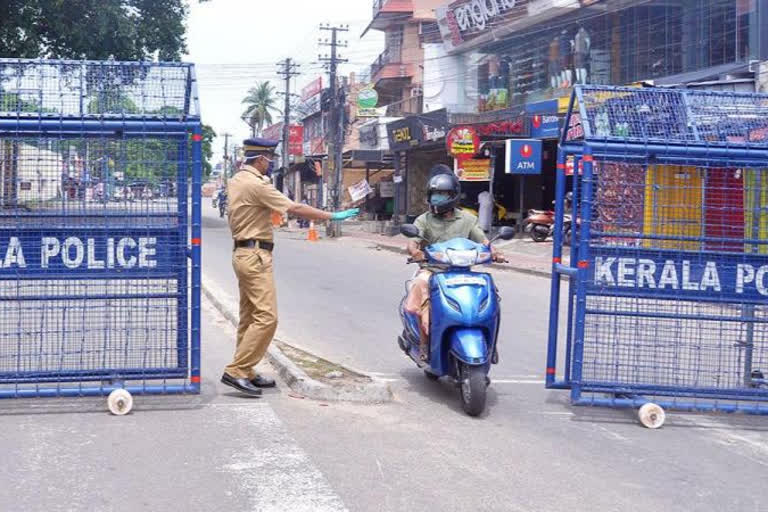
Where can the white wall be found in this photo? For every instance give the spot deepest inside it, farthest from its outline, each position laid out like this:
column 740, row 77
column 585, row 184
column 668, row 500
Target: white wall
column 40, row 170
column 450, row 81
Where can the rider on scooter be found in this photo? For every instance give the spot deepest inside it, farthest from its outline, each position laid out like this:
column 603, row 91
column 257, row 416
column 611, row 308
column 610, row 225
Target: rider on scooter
column 443, row 222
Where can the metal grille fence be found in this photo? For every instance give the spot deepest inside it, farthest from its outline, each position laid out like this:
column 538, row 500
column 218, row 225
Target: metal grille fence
column 667, row 296
column 99, row 287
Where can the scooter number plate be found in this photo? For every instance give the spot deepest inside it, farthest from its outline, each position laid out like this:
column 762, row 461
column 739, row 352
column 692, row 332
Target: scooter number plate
column 464, row 280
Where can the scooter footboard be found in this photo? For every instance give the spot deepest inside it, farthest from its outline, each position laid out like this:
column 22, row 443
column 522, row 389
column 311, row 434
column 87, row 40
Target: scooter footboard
column 470, row 346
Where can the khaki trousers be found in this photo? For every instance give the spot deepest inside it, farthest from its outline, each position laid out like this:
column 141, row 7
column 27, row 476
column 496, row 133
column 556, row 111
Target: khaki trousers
column 258, row 310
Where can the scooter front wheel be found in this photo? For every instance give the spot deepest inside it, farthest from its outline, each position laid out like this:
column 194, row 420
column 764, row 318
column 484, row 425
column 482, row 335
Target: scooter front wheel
column 538, row 234
column 473, row 387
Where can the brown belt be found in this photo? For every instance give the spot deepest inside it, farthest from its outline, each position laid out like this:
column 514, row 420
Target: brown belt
column 257, row 244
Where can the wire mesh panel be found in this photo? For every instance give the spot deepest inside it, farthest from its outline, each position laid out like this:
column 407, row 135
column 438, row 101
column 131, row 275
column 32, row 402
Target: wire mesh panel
column 673, row 116
column 669, row 289
column 96, row 160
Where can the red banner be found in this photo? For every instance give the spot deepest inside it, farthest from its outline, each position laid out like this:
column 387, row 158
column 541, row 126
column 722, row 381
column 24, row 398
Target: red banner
column 312, row 89
column 514, row 127
column 295, row 140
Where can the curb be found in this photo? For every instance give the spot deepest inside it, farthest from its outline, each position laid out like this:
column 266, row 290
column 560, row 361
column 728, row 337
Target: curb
column 374, row 392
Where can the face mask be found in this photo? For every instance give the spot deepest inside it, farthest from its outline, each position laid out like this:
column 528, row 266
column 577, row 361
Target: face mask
column 271, row 168
column 436, row 199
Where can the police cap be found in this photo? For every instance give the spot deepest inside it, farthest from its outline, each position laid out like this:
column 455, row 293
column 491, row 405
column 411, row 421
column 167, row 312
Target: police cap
column 257, row 146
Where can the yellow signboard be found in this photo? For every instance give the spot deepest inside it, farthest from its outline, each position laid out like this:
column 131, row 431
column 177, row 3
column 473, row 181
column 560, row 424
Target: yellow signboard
column 473, row 170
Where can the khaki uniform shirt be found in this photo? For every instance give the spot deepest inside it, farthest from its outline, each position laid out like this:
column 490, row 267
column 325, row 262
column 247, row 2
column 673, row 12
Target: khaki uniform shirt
column 437, row 229
column 252, row 199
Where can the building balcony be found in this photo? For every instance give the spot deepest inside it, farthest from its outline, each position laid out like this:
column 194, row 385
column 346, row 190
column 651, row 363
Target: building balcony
column 389, row 66
column 409, row 106
column 386, row 12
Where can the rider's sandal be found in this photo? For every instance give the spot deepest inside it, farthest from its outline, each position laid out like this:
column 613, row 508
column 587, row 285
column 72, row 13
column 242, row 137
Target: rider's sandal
column 423, row 356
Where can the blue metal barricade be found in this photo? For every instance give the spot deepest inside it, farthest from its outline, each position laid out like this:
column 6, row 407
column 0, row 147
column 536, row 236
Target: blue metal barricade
column 99, row 262
column 668, row 266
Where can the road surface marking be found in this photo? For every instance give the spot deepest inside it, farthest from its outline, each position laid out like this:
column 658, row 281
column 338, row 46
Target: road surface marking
column 276, row 473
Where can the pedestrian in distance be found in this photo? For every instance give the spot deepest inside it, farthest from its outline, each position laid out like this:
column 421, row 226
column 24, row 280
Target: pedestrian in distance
column 252, row 200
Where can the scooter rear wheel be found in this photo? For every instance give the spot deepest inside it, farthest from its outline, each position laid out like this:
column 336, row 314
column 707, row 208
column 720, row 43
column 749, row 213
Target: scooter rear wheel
column 472, row 388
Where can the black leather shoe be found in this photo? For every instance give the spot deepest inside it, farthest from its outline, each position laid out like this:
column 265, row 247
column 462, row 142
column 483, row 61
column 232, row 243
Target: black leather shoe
column 263, row 382
column 242, row 385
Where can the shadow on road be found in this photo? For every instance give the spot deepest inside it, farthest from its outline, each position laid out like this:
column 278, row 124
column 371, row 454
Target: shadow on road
column 442, row 392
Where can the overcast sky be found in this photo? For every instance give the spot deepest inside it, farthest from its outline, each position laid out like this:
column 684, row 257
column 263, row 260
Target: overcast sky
column 235, row 43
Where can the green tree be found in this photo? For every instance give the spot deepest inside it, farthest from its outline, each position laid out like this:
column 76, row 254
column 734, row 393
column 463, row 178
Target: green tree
column 208, row 136
column 260, row 103
column 93, row 29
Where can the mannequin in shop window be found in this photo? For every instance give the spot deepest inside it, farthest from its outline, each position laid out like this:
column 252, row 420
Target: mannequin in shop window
column 566, row 52
column 581, row 47
column 554, row 62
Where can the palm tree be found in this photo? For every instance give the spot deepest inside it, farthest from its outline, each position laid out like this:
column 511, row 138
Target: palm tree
column 260, row 103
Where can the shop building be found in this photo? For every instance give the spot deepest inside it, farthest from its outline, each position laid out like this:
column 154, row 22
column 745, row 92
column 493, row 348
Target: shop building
column 504, row 69
column 397, row 74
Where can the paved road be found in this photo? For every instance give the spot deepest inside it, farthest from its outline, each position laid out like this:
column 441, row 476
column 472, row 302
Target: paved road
column 194, row 453
column 532, row 451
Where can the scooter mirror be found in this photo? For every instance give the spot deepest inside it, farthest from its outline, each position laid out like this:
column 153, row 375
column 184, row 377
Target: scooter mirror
column 409, row 230
column 505, row 233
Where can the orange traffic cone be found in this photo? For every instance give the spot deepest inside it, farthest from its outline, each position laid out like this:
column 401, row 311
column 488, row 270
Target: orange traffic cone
column 312, row 235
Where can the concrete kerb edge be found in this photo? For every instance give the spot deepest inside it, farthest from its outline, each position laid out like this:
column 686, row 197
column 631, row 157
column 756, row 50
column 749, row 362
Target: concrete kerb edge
column 297, row 379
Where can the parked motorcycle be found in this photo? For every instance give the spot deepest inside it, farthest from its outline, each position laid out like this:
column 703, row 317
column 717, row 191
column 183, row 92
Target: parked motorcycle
column 539, row 224
column 465, row 317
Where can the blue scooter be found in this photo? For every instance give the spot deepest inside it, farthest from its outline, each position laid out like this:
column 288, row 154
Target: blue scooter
column 465, row 317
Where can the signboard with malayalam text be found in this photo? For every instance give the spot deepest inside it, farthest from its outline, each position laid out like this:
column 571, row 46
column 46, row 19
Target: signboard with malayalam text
column 472, row 169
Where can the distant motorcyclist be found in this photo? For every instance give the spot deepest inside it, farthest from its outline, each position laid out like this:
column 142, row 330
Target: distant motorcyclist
column 221, row 201
column 443, row 222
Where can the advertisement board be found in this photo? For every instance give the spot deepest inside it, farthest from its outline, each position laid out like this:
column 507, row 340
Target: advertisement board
column 472, row 169
column 523, row 156
column 311, row 89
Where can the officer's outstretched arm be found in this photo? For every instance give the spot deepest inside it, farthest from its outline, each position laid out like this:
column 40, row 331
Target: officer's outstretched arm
column 308, row 212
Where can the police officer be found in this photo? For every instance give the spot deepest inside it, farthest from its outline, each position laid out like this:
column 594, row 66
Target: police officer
column 252, row 199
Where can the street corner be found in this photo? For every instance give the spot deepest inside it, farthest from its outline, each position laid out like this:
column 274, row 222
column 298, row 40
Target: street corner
column 305, row 373
column 320, row 379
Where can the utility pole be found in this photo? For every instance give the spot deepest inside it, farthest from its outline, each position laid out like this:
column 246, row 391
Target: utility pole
column 235, row 152
column 225, row 168
column 336, row 144
column 288, row 70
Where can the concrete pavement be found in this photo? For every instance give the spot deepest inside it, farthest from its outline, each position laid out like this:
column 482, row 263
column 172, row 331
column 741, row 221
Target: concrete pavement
column 216, row 451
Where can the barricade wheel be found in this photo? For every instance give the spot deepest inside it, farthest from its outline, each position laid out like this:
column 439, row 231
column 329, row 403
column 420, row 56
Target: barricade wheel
column 120, row 402
column 651, row 415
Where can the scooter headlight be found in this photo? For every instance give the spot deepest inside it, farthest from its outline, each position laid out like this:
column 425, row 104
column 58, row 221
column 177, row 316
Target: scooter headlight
column 462, row 258
column 483, row 257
